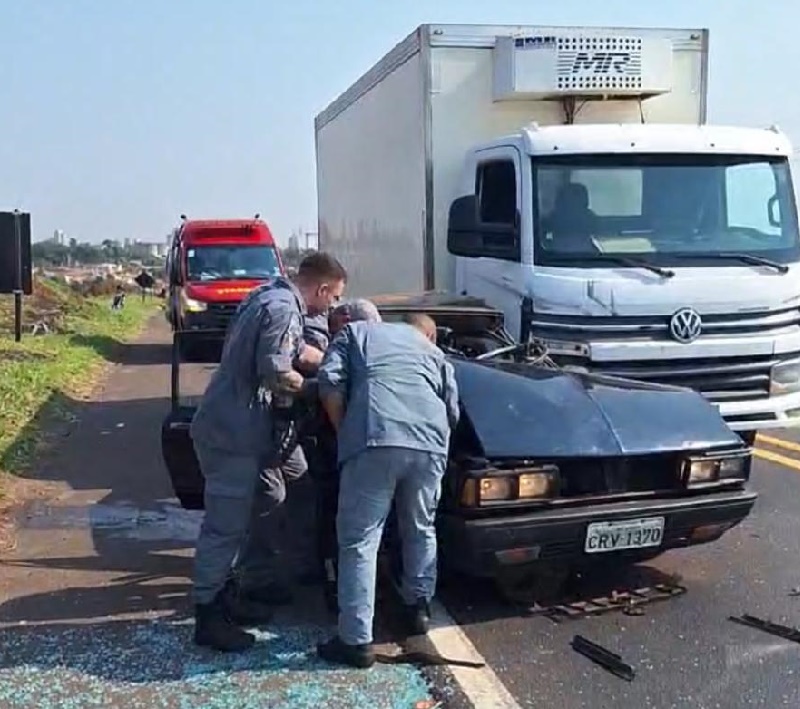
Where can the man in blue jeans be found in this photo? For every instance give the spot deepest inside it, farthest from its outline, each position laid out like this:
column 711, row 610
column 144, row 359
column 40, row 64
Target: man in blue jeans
column 392, row 397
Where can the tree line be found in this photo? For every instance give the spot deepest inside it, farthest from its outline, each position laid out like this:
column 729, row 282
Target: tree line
column 51, row 253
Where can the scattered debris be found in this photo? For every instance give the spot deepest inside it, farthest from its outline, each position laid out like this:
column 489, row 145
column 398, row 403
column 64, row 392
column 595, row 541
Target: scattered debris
column 781, row 631
column 629, row 602
column 423, row 658
column 603, row 657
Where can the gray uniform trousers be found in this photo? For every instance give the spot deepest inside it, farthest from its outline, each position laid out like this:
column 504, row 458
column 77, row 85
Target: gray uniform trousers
column 239, row 492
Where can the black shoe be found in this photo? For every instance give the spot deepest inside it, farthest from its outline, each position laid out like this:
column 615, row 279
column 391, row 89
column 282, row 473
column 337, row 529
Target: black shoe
column 274, row 594
column 242, row 610
column 337, row 652
column 417, row 617
column 214, row 628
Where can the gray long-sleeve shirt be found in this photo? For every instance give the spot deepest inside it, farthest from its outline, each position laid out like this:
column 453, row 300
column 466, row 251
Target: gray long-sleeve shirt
column 398, row 387
column 263, row 341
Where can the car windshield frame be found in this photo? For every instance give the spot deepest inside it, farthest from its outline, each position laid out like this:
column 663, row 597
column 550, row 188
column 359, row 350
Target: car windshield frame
column 233, row 274
column 652, row 216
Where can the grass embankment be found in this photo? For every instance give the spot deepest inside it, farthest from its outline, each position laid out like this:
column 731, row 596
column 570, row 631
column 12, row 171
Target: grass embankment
column 39, row 375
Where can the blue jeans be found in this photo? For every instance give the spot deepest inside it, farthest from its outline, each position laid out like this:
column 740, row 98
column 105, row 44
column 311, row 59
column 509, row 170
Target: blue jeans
column 369, row 483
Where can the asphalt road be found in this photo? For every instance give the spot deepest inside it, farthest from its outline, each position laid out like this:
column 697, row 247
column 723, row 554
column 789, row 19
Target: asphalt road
column 93, row 605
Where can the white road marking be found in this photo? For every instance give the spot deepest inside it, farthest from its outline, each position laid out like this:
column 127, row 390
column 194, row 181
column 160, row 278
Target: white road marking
column 481, row 686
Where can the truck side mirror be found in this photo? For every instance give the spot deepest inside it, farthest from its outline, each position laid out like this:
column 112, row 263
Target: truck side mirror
column 773, row 214
column 463, row 236
column 468, row 236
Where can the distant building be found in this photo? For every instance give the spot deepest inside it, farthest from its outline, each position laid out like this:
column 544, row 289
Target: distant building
column 294, row 242
column 59, row 237
column 144, row 249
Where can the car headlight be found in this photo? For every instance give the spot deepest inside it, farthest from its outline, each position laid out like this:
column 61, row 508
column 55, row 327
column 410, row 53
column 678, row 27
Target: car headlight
column 784, row 378
column 708, row 471
column 515, row 486
column 194, row 306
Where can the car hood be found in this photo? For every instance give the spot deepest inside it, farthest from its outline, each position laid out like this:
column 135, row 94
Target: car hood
column 525, row 411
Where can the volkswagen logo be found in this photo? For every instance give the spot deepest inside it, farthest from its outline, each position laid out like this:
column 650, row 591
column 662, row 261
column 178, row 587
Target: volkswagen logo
column 685, row 325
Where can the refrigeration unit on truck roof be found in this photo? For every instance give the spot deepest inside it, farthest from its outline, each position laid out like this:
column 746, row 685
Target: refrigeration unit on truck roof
column 553, row 66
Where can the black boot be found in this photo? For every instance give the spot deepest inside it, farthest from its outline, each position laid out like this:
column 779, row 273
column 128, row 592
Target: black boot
column 417, row 617
column 360, row 656
column 243, row 610
column 214, row 628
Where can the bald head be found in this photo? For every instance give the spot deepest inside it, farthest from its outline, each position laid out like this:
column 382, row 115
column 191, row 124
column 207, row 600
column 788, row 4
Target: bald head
column 351, row 311
column 424, row 323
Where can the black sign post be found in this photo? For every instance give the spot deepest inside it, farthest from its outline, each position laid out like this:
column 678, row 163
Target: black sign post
column 17, row 279
column 16, row 276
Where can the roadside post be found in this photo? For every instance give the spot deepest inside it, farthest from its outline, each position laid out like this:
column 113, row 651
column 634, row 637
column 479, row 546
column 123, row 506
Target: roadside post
column 16, row 277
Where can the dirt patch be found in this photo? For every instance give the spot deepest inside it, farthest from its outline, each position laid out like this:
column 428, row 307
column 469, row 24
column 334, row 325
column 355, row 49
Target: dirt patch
column 18, row 494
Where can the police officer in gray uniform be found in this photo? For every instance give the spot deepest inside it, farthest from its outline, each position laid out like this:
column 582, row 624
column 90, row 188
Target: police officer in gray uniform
column 260, row 574
column 239, row 432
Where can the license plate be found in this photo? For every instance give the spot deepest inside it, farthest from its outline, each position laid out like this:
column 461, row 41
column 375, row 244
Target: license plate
column 625, row 534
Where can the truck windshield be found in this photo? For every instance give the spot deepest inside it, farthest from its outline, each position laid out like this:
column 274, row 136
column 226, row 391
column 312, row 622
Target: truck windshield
column 665, row 210
column 231, row 262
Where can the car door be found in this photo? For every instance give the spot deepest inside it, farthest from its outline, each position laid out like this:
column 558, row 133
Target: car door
column 499, row 189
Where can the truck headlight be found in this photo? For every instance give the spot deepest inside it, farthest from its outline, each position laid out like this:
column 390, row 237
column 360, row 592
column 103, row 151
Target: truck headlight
column 510, row 486
column 707, row 471
column 194, row 306
column 785, row 378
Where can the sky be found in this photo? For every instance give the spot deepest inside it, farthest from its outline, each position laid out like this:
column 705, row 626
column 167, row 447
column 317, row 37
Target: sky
column 118, row 116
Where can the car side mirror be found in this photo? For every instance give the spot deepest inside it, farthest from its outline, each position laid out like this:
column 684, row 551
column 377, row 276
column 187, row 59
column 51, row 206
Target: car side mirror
column 469, row 237
column 773, row 214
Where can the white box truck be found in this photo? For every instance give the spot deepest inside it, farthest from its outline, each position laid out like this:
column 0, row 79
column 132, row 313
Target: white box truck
column 566, row 175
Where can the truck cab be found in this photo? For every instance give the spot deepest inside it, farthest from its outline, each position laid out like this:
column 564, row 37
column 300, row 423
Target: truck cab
column 665, row 253
column 211, row 266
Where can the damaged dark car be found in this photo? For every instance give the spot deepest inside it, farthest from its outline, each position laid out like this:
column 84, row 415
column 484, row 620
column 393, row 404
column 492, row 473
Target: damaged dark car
column 549, row 466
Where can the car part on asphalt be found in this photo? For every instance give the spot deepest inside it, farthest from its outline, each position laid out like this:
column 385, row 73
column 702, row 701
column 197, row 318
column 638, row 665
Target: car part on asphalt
column 629, row 602
column 781, row 631
column 424, row 658
column 603, row 657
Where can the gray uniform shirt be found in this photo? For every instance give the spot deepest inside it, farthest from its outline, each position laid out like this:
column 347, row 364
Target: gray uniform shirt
column 262, row 343
column 398, row 387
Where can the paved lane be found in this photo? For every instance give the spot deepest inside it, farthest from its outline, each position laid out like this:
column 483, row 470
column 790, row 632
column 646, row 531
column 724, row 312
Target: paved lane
column 685, row 651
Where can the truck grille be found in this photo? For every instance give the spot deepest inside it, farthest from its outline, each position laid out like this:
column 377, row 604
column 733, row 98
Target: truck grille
column 720, row 380
column 587, row 478
column 220, row 314
column 567, row 327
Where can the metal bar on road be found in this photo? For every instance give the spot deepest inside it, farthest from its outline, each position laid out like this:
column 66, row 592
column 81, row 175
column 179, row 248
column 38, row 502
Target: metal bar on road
column 603, row 657
column 781, row 631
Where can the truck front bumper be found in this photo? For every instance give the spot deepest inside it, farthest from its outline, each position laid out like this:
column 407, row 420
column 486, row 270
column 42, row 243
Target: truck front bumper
column 770, row 412
column 484, row 546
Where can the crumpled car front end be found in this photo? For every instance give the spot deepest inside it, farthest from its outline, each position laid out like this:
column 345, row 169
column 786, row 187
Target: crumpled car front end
column 562, row 467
